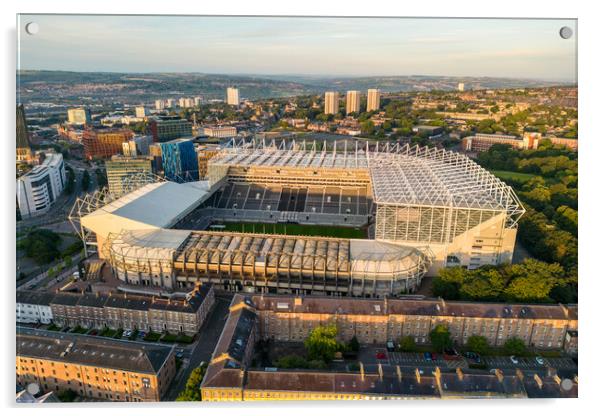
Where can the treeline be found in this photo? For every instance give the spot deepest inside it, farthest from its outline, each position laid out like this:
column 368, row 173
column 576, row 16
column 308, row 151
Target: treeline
column 532, row 281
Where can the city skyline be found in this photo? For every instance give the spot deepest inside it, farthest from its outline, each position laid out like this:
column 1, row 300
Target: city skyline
column 346, row 47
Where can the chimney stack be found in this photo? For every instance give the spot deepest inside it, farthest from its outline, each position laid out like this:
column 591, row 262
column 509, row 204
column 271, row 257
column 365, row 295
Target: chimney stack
column 458, row 372
column 538, row 381
column 520, row 374
column 499, row 375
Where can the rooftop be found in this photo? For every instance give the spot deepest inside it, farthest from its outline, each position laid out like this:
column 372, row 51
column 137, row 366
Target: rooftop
column 92, row 351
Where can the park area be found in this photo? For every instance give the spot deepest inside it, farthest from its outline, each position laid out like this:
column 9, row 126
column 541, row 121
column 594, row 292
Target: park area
column 291, row 229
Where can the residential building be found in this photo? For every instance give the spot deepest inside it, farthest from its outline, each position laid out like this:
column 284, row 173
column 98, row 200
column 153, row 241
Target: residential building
column 331, row 102
column 24, row 152
column 104, row 143
column 232, row 97
column 120, row 168
column 482, row 142
column 38, row 189
column 198, row 101
column 34, row 307
column 159, row 105
column 185, row 102
column 78, row 116
column 231, row 376
column 182, row 314
column 154, row 151
column 141, row 112
column 179, row 160
column 221, row 132
column 352, row 104
column 94, row 367
column 460, row 86
column 164, row 129
column 570, row 144
column 373, row 103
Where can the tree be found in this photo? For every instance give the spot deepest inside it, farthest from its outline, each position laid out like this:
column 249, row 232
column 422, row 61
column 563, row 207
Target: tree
column 321, row 343
column 440, row 338
column 515, row 346
column 478, row 344
column 407, row 344
column 192, row 390
column 354, row 344
column 85, row 181
column 41, row 245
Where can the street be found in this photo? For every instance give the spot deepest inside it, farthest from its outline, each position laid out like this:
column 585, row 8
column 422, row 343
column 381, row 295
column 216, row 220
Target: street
column 201, row 351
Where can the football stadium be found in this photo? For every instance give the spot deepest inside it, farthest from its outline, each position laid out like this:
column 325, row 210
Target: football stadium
column 416, row 209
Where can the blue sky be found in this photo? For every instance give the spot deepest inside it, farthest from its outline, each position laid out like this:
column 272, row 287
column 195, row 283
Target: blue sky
column 301, row 46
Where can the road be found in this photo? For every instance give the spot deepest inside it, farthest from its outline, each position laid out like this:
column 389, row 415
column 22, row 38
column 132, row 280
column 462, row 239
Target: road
column 202, row 350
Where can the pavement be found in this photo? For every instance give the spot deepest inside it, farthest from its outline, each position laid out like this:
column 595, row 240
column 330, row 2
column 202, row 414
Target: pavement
column 202, row 349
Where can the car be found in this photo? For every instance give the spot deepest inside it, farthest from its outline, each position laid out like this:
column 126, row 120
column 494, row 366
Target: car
column 539, row 360
column 142, row 334
column 428, row 356
column 513, row 359
column 179, row 354
column 473, row 356
column 434, row 356
column 127, row 333
column 390, row 346
column 381, row 356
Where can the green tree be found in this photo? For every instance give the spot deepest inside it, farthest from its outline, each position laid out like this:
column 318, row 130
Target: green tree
column 440, row 338
column 515, row 346
column 354, row 344
column 321, row 343
column 478, row 344
column 192, row 390
column 407, row 344
column 85, row 181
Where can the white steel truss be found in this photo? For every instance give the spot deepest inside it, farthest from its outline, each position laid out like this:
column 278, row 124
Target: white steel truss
column 401, row 175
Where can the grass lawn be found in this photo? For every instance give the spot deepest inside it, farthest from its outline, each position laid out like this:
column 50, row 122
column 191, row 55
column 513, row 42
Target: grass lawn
column 108, row 332
column 516, row 176
column 184, row 339
column 296, row 229
column 152, row 336
column 79, row 330
column 167, row 337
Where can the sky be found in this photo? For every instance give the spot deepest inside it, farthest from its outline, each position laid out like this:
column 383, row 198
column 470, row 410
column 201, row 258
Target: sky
column 300, row 46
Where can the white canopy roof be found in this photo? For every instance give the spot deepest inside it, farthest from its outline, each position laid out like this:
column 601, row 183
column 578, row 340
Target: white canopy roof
column 153, row 206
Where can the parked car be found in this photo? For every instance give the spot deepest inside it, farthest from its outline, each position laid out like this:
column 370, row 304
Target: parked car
column 127, row 333
column 428, row 356
column 141, row 334
column 179, row 354
column 434, row 356
column 390, row 346
column 381, row 356
column 539, row 360
column 513, row 359
column 473, row 356
column 451, row 354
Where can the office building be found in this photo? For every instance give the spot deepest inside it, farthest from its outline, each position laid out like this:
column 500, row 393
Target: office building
column 38, row 189
column 164, row 129
column 24, row 153
column 179, row 160
column 120, row 169
column 106, row 142
column 232, row 97
column 352, row 104
column 78, row 116
column 220, row 131
column 138, row 146
column 141, row 112
column 373, row 103
column 331, row 102
column 95, row 368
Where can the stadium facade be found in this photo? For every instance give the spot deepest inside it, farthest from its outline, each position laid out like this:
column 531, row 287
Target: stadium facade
column 423, row 209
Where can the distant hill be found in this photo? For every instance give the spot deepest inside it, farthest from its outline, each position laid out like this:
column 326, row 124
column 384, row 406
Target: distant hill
column 138, row 87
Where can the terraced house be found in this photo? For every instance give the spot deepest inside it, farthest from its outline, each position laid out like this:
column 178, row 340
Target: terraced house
column 131, row 312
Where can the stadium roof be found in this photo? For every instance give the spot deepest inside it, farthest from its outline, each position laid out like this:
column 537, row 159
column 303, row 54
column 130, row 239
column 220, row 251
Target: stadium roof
column 153, row 206
column 401, row 174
